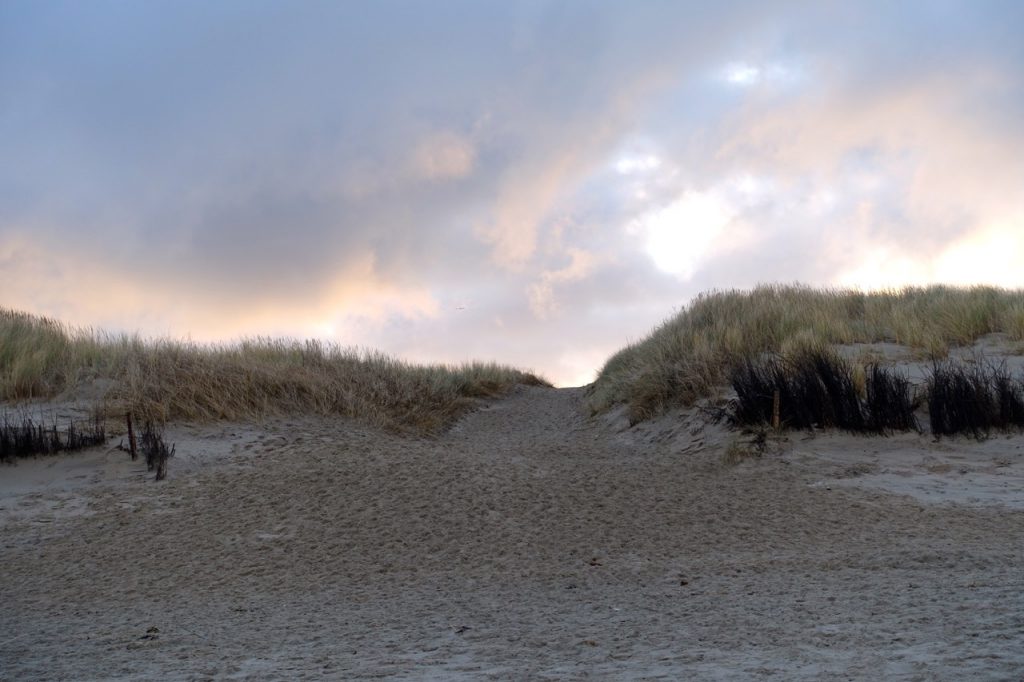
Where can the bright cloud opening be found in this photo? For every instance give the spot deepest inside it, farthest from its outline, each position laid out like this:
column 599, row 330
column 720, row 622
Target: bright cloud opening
column 678, row 236
column 742, row 74
column 881, row 268
column 629, row 165
column 993, row 256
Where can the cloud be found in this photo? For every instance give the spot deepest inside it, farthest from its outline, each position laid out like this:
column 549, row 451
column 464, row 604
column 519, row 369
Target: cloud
column 907, row 168
column 42, row 277
column 993, row 254
column 678, row 236
column 534, row 182
column 542, row 293
column 443, row 156
column 524, row 201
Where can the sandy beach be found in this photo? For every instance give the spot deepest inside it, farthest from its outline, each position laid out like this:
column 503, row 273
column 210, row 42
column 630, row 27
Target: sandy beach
column 532, row 541
column 540, row 340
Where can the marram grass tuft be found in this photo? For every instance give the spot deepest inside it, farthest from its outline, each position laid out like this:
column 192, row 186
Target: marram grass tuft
column 691, row 354
column 161, row 380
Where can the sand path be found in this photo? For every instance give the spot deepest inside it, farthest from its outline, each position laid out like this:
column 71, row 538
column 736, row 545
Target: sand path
column 530, row 542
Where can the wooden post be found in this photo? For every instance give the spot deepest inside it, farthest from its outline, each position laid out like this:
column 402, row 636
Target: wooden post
column 131, row 438
column 776, row 399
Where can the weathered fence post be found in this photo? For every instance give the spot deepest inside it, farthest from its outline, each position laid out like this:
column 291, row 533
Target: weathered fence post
column 776, row 399
column 131, row 437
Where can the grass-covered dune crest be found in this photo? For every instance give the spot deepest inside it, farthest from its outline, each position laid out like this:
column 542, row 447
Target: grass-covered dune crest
column 690, row 354
column 168, row 379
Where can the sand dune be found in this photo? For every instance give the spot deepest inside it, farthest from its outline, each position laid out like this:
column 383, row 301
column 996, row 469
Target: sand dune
column 529, row 542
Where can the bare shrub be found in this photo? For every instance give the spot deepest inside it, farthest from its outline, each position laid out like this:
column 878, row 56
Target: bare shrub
column 29, row 439
column 155, row 450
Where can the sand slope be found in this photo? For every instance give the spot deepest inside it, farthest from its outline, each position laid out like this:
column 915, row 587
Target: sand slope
column 531, row 542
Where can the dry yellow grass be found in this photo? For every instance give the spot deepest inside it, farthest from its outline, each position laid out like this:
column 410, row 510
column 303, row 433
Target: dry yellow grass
column 690, row 354
column 164, row 379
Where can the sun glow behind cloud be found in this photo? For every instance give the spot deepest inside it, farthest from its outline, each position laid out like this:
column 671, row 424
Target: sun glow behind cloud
column 745, row 75
column 678, row 236
column 629, row 165
column 741, row 74
column 994, row 256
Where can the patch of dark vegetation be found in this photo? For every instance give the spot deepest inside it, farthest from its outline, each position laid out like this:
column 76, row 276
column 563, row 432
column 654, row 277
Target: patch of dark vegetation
column 816, row 389
column 155, row 449
column 888, row 402
column 959, row 400
column 1009, row 394
column 27, row 438
column 974, row 398
column 826, row 379
column 132, row 448
column 755, row 384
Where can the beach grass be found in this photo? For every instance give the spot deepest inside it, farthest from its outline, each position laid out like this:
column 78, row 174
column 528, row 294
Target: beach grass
column 164, row 379
column 693, row 353
column 974, row 398
column 27, row 438
column 821, row 389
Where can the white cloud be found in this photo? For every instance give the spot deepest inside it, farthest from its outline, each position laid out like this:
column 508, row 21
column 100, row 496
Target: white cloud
column 739, row 73
column 678, row 236
column 992, row 255
column 629, row 165
column 542, row 293
column 884, row 268
column 744, row 74
column 835, row 144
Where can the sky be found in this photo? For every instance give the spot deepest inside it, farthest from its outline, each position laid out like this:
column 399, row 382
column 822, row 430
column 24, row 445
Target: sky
column 538, row 183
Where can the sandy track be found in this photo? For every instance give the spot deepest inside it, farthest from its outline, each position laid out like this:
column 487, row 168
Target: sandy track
column 530, row 542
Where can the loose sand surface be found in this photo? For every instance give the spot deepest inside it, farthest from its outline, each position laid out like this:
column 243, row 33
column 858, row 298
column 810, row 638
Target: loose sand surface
column 530, row 542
